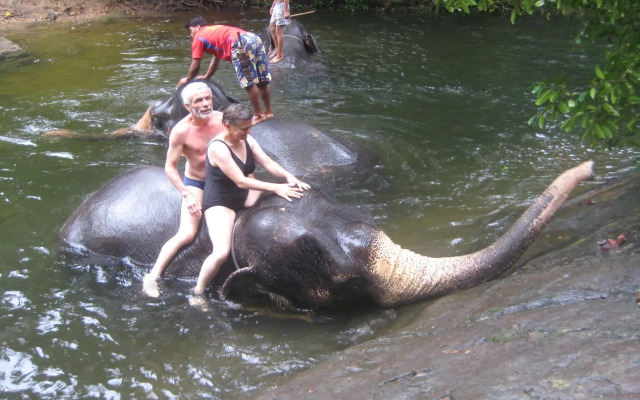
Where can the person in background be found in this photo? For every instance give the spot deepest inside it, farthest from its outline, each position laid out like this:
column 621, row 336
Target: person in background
column 280, row 17
column 224, row 43
column 188, row 138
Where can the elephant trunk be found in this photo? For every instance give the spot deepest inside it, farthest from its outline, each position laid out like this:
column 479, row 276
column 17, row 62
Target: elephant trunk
column 401, row 276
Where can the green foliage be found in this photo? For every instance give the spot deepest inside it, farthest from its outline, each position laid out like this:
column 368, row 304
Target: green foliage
column 607, row 108
column 349, row 5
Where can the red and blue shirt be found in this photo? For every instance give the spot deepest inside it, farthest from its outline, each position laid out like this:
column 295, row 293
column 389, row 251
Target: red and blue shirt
column 216, row 40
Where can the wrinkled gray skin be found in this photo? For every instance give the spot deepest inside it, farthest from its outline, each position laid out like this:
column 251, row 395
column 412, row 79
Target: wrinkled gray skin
column 299, row 147
column 299, row 46
column 311, row 253
column 302, row 149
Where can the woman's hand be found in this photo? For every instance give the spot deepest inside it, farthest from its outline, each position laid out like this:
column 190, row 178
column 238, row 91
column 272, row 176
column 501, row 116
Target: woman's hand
column 295, row 182
column 288, row 192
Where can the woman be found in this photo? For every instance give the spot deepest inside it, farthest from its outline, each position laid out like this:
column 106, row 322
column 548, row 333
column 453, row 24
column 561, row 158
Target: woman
column 230, row 186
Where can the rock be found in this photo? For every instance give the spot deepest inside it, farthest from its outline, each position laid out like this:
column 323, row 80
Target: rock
column 8, row 49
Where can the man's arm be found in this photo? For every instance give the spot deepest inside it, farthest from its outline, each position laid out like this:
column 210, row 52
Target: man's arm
column 176, row 144
column 194, row 68
column 213, row 67
column 171, row 163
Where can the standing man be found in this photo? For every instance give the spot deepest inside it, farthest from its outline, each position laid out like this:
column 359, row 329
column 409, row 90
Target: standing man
column 225, row 43
column 279, row 18
column 189, row 138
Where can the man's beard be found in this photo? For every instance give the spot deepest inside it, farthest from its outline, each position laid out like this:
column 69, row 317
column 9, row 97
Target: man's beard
column 202, row 113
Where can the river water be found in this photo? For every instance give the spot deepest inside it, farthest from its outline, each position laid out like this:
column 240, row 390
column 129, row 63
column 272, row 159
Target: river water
column 441, row 103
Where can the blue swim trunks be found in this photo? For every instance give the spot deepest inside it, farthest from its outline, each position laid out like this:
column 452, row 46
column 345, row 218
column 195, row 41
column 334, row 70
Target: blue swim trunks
column 257, row 57
column 193, row 182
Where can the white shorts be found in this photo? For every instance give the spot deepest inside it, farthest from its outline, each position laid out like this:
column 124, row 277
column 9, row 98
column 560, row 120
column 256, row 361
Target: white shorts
column 277, row 16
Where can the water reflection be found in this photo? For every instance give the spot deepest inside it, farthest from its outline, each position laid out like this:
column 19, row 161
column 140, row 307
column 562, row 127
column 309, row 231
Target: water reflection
column 439, row 103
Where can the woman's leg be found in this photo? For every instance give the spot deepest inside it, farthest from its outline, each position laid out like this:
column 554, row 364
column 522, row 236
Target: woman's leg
column 220, row 225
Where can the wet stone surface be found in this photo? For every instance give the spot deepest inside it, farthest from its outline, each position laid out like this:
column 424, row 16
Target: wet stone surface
column 8, row 49
column 565, row 325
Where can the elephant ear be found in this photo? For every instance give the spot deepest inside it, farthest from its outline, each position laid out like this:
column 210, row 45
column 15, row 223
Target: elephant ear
column 243, row 287
column 310, row 44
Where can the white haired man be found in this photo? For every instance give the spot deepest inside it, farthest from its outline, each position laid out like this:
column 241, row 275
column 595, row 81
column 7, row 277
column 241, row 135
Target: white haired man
column 188, row 138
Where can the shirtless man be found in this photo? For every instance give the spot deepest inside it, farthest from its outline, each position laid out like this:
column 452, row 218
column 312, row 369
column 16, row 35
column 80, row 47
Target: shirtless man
column 189, row 138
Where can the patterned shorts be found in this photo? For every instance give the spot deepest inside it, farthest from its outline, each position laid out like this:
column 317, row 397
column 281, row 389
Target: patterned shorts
column 257, row 61
column 277, row 16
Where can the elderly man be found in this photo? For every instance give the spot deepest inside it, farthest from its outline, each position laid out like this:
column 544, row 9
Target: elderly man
column 244, row 49
column 188, row 138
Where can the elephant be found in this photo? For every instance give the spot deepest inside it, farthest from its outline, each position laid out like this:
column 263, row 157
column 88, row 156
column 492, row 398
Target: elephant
column 299, row 46
column 312, row 253
column 316, row 153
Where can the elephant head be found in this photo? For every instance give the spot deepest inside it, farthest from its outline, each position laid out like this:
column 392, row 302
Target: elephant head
column 310, row 253
column 314, row 253
column 164, row 114
column 299, row 45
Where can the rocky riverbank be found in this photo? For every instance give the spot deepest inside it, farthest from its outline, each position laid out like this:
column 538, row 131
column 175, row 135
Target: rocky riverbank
column 563, row 325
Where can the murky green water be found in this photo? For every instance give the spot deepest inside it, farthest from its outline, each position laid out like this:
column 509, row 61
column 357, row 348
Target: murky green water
column 441, row 102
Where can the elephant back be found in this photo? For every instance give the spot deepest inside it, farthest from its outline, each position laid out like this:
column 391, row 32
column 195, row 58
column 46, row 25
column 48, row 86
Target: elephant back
column 131, row 217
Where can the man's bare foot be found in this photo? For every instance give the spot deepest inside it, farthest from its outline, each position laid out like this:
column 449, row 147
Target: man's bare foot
column 268, row 115
column 150, row 285
column 276, row 60
column 257, row 119
column 271, row 54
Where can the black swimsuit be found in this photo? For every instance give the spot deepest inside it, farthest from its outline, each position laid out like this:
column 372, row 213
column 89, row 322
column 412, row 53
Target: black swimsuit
column 222, row 191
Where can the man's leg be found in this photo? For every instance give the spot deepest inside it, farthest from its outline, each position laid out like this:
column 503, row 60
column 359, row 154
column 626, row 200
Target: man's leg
column 265, row 93
column 185, row 235
column 260, row 62
column 254, row 98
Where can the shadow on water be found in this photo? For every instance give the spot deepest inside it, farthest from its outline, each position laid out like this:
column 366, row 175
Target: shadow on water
column 439, row 103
